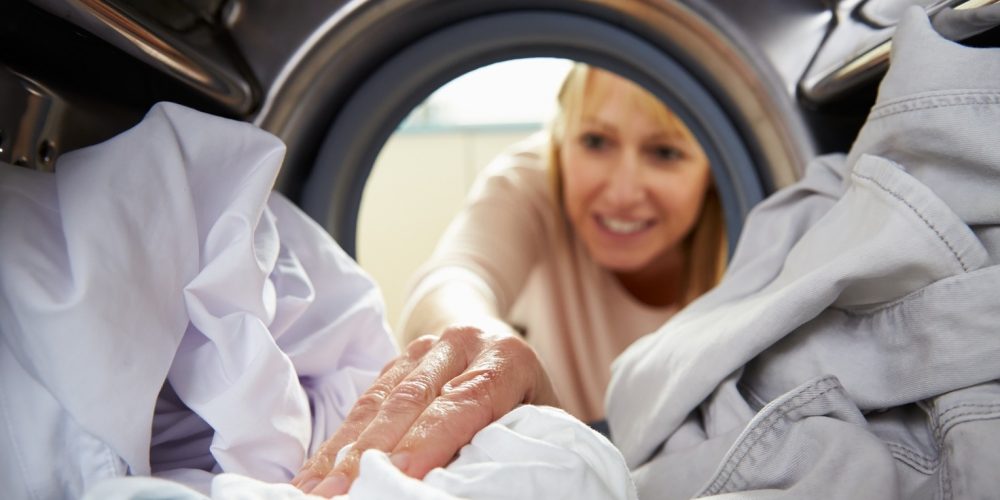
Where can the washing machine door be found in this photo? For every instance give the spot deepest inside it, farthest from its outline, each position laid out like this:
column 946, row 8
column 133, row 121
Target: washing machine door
column 333, row 78
column 358, row 76
column 764, row 85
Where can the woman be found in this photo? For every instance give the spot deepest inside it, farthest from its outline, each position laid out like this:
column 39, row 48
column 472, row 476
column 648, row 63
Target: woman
column 618, row 232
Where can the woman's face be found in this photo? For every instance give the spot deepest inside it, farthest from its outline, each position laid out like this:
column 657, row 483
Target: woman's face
column 632, row 186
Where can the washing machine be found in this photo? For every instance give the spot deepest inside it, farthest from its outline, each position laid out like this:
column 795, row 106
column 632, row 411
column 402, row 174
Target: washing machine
column 764, row 85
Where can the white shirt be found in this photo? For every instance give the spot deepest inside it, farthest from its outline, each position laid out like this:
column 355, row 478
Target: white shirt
column 162, row 256
column 164, row 315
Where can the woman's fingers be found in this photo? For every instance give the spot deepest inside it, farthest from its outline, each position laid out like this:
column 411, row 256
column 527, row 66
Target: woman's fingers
column 411, row 396
column 365, row 409
column 429, row 403
column 496, row 382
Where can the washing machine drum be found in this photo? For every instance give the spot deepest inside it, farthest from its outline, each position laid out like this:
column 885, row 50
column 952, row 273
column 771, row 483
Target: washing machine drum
column 366, row 72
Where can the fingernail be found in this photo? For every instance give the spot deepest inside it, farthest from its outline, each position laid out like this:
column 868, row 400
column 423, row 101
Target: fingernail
column 308, row 484
column 335, row 484
column 401, row 460
column 301, row 476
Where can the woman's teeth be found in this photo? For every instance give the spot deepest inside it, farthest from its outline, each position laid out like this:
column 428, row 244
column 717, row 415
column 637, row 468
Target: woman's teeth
column 621, row 226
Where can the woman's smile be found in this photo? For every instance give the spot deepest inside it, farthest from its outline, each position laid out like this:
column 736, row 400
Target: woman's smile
column 623, row 227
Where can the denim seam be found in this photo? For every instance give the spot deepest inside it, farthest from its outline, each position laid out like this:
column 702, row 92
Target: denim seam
column 918, row 214
column 911, row 457
column 941, row 429
column 934, row 102
column 983, row 410
column 944, row 479
column 759, row 432
column 866, row 311
column 880, row 308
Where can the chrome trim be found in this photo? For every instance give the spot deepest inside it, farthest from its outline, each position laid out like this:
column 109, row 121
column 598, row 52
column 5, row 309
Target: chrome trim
column 38, row 123
column 841, row 65
column 972, row 4
column 31, row 123
column 208, row 73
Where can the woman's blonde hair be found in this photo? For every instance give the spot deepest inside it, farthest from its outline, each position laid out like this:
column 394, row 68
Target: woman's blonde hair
column 705, row 247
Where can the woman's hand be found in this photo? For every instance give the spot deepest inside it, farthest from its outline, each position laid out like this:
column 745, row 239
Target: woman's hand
column 430, row 401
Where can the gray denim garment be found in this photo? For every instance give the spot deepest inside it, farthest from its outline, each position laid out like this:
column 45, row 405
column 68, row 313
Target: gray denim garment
column 853, row 348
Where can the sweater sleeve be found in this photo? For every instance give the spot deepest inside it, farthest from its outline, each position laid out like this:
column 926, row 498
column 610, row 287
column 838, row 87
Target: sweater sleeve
column 501, row 231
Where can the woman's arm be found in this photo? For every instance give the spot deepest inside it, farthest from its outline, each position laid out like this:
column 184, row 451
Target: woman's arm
column 430, row 401
column 464, row 366
column 445, row 297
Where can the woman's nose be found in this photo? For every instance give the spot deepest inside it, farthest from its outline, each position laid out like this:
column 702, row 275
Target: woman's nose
column 624, row 186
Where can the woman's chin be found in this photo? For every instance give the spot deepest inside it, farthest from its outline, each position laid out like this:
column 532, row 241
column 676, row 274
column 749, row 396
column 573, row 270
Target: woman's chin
column 622, row 264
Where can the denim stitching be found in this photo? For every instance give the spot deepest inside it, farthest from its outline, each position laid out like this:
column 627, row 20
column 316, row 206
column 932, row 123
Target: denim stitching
column 971, row 98
column 912, row 457
column 759, row 432
column 981, row 409
column 942, row 428
column 945, row 479
column 920, row 215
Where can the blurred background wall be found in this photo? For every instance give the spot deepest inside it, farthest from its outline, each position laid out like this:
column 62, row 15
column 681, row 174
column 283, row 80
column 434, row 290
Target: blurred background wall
column 417, row 186
column 421, row 177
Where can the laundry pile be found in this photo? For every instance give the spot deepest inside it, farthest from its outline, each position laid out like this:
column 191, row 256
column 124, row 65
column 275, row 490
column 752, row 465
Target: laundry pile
column 166, row 316
column 851, row 350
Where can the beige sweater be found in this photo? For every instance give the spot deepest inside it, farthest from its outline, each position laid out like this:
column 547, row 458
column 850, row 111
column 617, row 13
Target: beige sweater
column 574, row 313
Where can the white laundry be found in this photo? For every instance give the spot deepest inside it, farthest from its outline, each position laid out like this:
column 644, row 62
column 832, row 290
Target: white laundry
column 162, row 255
column 170, row 327
column 532, row 452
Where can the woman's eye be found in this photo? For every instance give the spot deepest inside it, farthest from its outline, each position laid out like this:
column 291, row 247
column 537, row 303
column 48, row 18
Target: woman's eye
column 593, row 141
column 667, row 153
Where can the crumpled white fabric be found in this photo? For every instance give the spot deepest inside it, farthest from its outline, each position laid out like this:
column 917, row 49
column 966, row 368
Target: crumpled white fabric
column 532, row 452
column 161, row 256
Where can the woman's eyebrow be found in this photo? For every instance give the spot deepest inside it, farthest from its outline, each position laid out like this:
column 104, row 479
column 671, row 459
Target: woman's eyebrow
column 671, row 134
column 594, row 121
